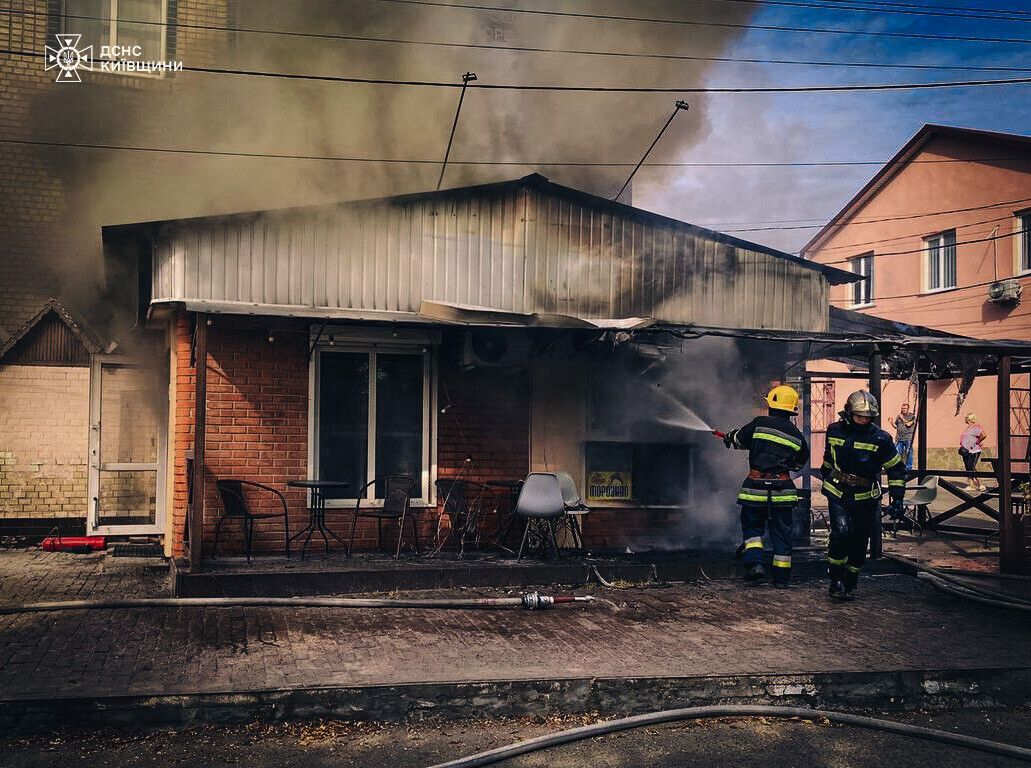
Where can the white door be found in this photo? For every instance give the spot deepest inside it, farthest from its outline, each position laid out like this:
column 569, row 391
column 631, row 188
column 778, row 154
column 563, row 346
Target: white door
column 127, row 448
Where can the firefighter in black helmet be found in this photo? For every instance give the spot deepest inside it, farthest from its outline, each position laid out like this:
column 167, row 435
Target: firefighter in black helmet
column 768, row 496
column 857, row 452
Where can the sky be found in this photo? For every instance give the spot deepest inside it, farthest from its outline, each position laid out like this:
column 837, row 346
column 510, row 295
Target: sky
column 849, row 126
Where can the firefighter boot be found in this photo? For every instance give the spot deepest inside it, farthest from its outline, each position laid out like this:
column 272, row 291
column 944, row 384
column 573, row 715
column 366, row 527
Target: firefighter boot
column 851, row 584
column 837, row 589
column 755, row 572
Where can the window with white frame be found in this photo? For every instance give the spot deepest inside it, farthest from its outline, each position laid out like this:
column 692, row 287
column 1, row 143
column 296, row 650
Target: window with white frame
column 1024, row 241
column 940, row 256
column 862, row 290
column 124, row 24
column 371, row 417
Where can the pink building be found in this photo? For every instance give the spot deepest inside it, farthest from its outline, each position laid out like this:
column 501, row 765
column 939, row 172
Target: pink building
column 943, row 234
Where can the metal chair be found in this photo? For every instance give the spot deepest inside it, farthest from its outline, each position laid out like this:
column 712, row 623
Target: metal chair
column 575, row 508
column 465, row 502
column 540, row 502
column 397, row 505
column 234, row 505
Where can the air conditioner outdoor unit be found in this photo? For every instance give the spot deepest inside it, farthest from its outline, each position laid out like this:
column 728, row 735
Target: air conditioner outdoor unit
column 1004, row 292
column 495, row 348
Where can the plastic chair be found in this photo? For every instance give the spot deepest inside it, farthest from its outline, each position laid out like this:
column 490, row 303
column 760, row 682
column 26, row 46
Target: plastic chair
column 575, row 508
column 915, row 506
column 541, row 503
column 234, row 505
column 464, row 502
column 397, row 505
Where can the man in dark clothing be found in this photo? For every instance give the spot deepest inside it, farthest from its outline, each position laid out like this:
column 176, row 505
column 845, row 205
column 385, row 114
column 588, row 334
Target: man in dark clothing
column 768, row 496
column 857, row 452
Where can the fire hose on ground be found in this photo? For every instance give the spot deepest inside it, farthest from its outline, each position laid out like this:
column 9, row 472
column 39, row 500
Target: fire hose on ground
column 531, row 601
column 733, row 710
column 953, row 585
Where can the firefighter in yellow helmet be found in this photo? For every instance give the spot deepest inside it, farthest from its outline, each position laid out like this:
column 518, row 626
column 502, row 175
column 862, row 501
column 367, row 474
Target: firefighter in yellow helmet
column 776, row 448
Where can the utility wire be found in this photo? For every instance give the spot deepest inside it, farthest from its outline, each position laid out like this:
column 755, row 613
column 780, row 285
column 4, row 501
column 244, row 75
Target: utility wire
column 721, row 24
column 857, row 245
column 992, row 14
column 978, row 9
column 501, row 163
column 925, row 293
column 862, row 249
column 924, row 250
column 592, row 88
column 680, row 105
column 535, row 49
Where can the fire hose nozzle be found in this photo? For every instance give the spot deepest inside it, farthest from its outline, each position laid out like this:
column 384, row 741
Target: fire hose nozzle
column 719, row 434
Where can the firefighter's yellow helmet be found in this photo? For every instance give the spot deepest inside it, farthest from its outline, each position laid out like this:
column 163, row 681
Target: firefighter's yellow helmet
column 783, row 398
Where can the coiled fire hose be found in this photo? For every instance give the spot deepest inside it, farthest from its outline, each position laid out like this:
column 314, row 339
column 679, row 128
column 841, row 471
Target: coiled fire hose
column 732, row 710
column 946, row 582
column 531, row 601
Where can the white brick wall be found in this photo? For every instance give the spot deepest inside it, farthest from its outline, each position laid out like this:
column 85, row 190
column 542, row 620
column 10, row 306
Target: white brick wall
column 44, row 437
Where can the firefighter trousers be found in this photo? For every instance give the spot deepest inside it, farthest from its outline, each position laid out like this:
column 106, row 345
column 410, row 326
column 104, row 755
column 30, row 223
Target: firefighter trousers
column 851, row 529
column 779, row 518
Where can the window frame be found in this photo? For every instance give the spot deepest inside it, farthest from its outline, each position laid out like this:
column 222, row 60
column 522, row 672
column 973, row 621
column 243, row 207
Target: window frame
column 372, row 347
column 926, row 257
column 1022, row 244
column 868, row 280
column 112, row 37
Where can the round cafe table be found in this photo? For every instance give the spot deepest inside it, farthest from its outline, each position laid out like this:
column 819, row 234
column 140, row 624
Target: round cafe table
column 317, row 510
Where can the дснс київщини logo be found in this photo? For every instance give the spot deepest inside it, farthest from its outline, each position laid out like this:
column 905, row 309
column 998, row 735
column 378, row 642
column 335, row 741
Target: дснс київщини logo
column 69, row 58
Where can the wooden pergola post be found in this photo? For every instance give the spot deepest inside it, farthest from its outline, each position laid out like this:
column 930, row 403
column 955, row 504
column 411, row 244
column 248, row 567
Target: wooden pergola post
column 200, row 402
column 921, row 426
column 1011, row 545
column 874, row 369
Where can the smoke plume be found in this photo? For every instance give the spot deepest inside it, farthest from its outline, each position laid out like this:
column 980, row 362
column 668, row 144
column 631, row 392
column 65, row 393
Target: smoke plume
column 256, row 114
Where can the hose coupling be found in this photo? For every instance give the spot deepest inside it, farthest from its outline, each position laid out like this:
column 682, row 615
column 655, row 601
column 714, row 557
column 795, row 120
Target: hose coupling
column 535, row 601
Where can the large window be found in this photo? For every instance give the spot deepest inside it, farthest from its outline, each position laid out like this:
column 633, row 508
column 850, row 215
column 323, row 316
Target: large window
column 941, row 261
column 1024, row 242
column 371, row 417
column 119, row 24
column 862, row 291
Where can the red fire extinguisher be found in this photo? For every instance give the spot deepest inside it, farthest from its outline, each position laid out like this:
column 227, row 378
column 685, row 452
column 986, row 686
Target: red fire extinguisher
column 77, row 544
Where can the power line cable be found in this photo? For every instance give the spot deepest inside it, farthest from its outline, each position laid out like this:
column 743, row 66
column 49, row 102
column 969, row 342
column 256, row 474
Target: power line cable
column 862, row 245
column 966, row 13
column 859, row 245
column 535, row 49
column 467, row 78
column 924, row 250
column 720, row 24
column 499, row 163
column 593, row 88
column 925, row 293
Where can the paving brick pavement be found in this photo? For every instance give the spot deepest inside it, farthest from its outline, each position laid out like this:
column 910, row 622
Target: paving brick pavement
column 30, row 575
column 716, row 628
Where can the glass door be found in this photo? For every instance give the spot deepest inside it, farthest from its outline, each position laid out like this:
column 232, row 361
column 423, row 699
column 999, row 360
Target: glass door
column 127, row 448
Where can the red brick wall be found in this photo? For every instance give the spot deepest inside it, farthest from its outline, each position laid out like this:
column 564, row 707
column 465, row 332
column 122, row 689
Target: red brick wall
column 487, row 419
column 257, row 422
column 182, row 437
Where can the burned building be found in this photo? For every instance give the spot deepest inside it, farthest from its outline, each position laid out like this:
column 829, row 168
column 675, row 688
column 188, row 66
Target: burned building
column 480, row 332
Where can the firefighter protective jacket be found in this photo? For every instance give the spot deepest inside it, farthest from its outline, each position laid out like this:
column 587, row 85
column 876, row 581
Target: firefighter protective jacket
column 860, row 453
column 775, row 446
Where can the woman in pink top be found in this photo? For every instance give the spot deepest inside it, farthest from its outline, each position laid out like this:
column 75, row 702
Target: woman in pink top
column 970, row 449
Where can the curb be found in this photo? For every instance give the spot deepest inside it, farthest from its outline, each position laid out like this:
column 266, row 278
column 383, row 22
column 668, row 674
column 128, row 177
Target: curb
column 349, row 579
column 883, row 690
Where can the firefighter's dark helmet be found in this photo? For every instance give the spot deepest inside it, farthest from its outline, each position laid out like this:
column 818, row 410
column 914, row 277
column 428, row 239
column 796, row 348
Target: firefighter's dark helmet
column 860, row 403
